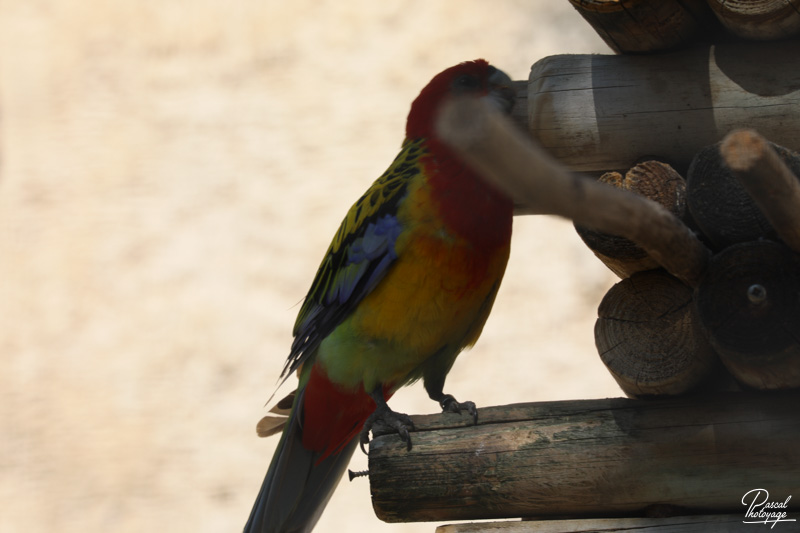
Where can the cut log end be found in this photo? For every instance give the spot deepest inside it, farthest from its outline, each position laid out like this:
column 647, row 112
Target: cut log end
column 649, row 338
column 748, row 304
column 745, row 189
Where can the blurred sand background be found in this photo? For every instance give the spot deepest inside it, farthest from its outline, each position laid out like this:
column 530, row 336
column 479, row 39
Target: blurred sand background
column 170, row 174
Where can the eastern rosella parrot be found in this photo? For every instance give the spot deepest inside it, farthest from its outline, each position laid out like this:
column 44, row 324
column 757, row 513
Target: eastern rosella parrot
column 407, row 283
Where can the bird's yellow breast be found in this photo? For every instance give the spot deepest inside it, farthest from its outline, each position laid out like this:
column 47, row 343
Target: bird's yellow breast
column 433, row 296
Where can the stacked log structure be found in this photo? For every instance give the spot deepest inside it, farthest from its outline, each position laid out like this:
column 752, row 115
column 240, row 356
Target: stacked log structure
column 667, row 325
column 659, row 336
column 650, row 120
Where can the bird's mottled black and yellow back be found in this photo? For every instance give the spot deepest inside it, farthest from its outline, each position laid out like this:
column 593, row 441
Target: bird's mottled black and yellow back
column 359, row 255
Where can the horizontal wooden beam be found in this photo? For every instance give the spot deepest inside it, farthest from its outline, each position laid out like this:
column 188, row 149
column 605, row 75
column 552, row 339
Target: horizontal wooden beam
column 591, row 458
column 604, row 112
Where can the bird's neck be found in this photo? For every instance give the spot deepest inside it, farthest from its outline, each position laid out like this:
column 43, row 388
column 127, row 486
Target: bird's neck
column 469, row 206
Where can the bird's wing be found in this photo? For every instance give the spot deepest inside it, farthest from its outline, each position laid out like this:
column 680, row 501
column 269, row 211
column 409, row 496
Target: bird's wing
column 361, row 254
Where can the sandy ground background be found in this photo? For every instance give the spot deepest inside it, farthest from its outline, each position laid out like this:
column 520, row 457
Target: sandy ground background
column 170, row 174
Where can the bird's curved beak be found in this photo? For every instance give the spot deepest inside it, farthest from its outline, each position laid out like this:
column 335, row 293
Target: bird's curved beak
column 501, row 91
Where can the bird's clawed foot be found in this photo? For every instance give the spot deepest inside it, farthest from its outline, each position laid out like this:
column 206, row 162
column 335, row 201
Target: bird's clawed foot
column 384, row 420
column 450, row 405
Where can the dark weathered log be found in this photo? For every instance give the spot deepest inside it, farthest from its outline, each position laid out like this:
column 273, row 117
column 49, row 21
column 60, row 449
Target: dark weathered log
column 720, row 205
column 506, row 157
column 643, row 25
column 758, row 19
column 649, row 337
column 654, row 180
column 768, row 180
column 678, row 524
column 597, row 113
column 584, row 458
column 749, row 304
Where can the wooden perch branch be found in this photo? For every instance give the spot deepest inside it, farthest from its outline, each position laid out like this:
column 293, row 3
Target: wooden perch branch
column 504, row 156
column 611, row 457
column 654, row 180
column 771, row 184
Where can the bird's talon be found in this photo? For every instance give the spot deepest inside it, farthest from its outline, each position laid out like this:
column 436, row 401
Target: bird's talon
column 384, row 421
column 405, row 437
column 450, row 405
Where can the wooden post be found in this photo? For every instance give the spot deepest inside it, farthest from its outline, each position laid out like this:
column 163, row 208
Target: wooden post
column 584, row 458
column 597, row 113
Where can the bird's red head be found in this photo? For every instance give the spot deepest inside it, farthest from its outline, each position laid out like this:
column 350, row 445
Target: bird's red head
column 469, row 206
column 471, row 77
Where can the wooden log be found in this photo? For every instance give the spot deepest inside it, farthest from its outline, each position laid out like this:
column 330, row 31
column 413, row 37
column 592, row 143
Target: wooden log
column 763, row 20
column 598, row 113
column 721, row 206
column 635, row 26
column 749, row 305
column 773, row 185
column 610, row 457
column 654, row 180
column 678, row 524
column 506, row 157
column 649, row 337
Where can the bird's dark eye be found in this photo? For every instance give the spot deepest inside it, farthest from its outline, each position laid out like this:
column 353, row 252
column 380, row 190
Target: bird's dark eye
column 466, row 82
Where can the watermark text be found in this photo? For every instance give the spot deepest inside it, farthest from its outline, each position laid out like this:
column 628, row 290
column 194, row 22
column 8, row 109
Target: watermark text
column 760, row 510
